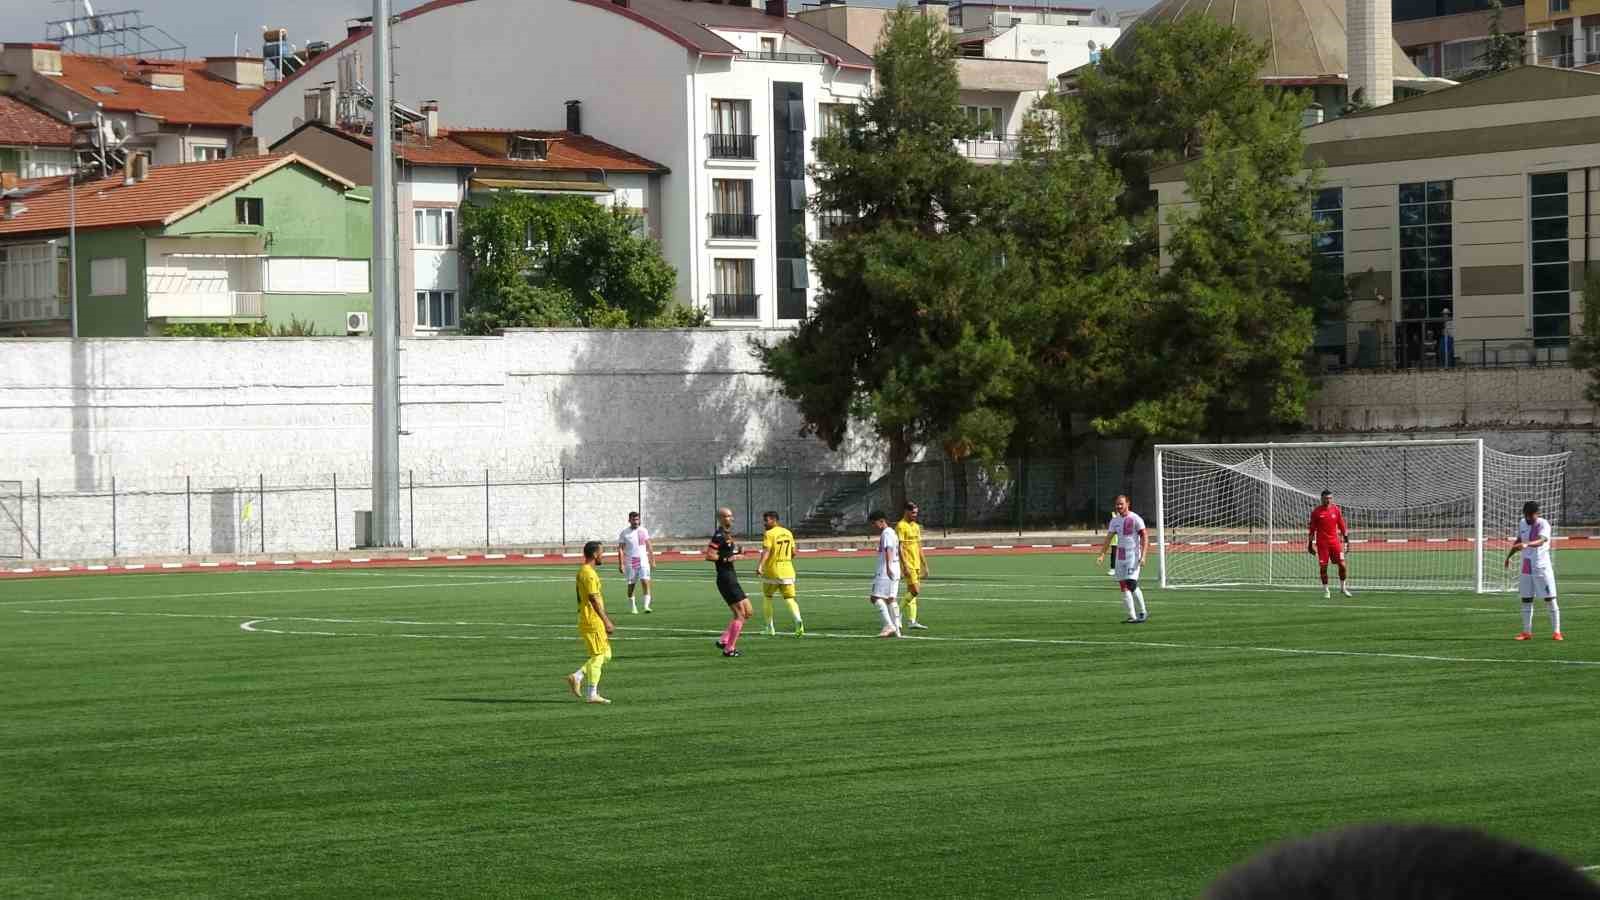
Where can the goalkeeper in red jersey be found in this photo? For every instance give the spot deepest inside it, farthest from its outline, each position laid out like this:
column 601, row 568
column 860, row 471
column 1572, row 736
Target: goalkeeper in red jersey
column 1327, row 541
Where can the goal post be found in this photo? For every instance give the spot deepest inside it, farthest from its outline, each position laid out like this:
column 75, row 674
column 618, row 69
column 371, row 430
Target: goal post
column 1422, row 514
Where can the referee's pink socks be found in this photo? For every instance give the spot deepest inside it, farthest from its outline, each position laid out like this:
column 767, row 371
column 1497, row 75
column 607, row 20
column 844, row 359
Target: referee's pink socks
column 732, row 634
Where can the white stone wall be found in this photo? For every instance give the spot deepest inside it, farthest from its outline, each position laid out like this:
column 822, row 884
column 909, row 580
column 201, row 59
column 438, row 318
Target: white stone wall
column 246, row 437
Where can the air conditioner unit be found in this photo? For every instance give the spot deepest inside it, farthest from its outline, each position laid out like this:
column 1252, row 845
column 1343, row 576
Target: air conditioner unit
column 357, row 323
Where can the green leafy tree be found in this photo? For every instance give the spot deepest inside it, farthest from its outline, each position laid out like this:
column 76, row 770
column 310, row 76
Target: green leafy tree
column 1586, row 346
column 1225, row 343
column 1502, row 51
column 549, row 262
column 906, row 334
column 1149, row 98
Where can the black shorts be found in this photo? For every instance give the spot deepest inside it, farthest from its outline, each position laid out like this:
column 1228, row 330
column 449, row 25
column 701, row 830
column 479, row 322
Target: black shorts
column 728, row 586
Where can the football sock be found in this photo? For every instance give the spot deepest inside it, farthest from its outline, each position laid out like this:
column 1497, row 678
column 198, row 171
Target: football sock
column 883, row 613
column 591, row 671
column 734, row 627
column 1138, row 596
column 894, row 613
column 1127, row 600
column 794, row 608
column 911, row 608
column 1555, row 615
column 578, row 676
column 1324, row 576
column 1527, row 615
column 766, row 605
column 646, row 601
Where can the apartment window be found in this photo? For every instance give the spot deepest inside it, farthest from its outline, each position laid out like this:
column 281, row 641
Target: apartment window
column 1463, row 56
column 1425, row 59
column 1550, row 252
column 735, row 296
column 108, row 277
column 45, row 163
column 524, row 147
column 435, row 228
column 27, row 272
column 730, row 136
column 1560, row 6
column 249, row 210
column 437, row 309
column 732, row 210
column 209, row 153
column 1327, row 210
column 831, row 117
column 1427, row 273
column 769, row 45
column 989, row 118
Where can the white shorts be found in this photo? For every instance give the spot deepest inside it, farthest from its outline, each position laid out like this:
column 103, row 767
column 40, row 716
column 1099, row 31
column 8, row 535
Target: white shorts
column 638, row 570
column 1127, row 570
column 886, row 588
column 1539, row 584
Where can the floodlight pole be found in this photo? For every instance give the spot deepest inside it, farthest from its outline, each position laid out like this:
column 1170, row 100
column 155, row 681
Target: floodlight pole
column 385, row 309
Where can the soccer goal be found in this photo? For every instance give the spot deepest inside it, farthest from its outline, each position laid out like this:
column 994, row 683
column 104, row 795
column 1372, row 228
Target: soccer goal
column 1423, row 515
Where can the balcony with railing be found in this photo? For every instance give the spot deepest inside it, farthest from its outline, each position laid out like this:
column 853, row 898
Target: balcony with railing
column 210, row 305
column 732, row 146
column 991, row 148
column 815, row 59
column 738, row 226
column 735, row 306
column 1371, row 353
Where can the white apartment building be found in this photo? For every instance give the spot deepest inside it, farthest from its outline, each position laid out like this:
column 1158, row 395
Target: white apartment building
column 727, row 98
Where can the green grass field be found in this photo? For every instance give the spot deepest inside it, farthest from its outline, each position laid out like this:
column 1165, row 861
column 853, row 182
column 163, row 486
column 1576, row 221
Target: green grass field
column 407, row 733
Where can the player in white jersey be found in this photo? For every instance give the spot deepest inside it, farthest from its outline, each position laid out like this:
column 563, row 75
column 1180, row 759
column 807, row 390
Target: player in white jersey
column 886, row 582
column 1538, row 572
column 633, row 559
column 1127, row 532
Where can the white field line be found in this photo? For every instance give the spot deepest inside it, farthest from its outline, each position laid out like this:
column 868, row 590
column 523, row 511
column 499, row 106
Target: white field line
column 253, row 626
column 263, row 592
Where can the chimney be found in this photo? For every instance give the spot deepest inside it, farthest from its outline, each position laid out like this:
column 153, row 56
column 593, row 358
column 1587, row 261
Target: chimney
column 163, row 77
column 1369, row 50
column 430, row 118
column 935, row 9
column 319, row 103
column 30, row 58
column 127, row 172
column 575, row 116
column 242, row 71
column 778, row 8
column 250, row 146
column 9, row 181
column 138, row 167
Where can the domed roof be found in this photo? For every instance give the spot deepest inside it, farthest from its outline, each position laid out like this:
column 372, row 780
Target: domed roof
column 1304, row 38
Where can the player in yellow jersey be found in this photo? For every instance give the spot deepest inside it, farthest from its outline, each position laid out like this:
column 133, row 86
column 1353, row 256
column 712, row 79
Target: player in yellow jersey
column 776, row 569
column 913, row 565
column 594, row 625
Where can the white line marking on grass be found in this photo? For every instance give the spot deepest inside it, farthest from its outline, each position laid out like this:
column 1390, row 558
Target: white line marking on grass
column 259, row 593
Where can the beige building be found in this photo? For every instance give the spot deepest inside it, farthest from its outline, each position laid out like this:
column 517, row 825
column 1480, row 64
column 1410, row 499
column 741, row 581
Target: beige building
column 1465, row 213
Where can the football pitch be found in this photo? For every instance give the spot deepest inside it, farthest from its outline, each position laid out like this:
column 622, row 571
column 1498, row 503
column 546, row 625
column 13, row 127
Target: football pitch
column 406, row 732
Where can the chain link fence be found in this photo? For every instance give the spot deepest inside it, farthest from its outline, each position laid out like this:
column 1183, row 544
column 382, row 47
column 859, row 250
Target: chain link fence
column 255, row 514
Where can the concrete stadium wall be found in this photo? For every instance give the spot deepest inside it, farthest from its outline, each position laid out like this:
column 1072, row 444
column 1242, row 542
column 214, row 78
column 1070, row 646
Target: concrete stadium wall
column 201, row 428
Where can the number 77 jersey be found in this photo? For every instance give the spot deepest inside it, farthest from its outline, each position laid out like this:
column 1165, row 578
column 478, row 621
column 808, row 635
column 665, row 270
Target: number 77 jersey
column 778, row 543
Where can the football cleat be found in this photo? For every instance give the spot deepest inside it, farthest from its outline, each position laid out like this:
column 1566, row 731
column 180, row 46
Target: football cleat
column 1557, row 637
column 573, row 682
column 918, row 626
column 1327, row 594
column 720, row 644
column 1525, row 636
column 1131, row 620
column 771, row 630
column 596, row 698
column 1344, row 590
column 1143, row 618
column 731, row 653
column 799, row 629
column 888, row 632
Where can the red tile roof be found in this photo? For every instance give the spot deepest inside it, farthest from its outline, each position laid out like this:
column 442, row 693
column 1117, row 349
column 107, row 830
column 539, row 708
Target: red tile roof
column 22, row 125
column 684, row 22
column 166, row 195
column 456, row 147
column 204, row 100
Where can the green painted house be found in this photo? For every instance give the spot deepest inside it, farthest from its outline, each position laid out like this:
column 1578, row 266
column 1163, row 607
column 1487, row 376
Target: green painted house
column 270, row 239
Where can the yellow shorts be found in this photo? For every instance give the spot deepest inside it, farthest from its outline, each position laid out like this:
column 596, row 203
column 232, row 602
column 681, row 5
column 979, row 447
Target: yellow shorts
column 595, row 642
column 784, row 586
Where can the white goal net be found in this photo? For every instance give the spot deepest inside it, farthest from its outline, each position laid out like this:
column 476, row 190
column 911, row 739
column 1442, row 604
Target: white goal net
column 1423, row 515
